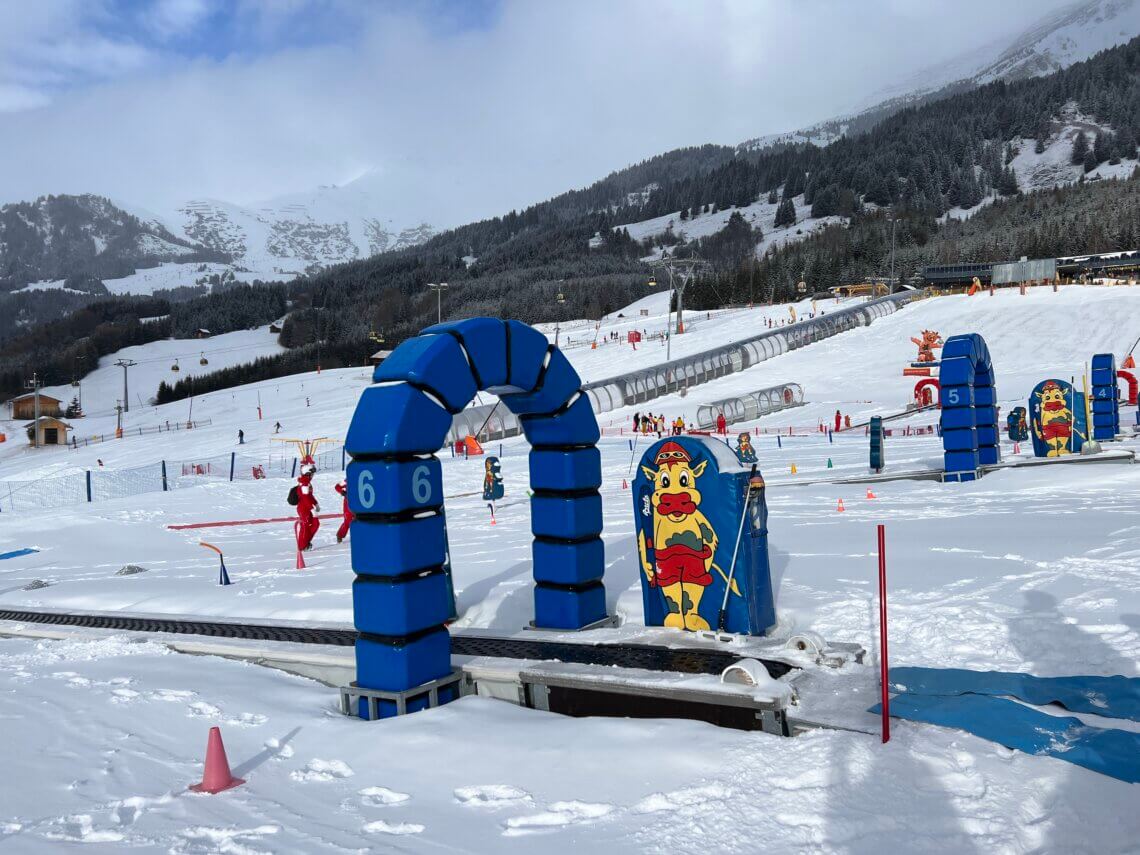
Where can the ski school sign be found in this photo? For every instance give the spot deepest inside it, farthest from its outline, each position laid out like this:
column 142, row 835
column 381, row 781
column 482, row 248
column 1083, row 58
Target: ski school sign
column 702, row 539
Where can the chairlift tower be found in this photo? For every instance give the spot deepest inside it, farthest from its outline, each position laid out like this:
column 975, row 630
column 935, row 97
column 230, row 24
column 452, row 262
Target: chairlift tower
column 125, row 364
column 681, row 272
column 34, row 384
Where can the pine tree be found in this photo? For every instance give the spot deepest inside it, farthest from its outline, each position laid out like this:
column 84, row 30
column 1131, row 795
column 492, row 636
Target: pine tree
column 1102, row 147
column 684, row 214
column 786, row 214
column 73, row 411
column 773, row 197
column 1080, row 148
column 1007, row 184
column 1039, row 147
column 1091, row 162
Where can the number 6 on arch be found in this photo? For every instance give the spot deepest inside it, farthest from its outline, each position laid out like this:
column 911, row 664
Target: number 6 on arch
column 393, row 487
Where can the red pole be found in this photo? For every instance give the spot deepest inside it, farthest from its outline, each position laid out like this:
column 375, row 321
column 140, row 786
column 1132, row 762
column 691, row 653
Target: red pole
column 883, row 634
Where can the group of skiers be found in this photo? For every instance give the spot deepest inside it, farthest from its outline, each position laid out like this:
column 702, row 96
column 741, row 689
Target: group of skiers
column 647, row 423
column 309, row 509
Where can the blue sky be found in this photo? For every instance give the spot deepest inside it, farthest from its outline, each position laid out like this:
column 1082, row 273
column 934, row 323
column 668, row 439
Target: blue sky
column 449, row 109
column 218, row 29
column 66, row 45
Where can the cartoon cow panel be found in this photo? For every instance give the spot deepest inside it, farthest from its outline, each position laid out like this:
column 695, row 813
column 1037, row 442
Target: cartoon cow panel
column 689, row 499
column 1058, row 419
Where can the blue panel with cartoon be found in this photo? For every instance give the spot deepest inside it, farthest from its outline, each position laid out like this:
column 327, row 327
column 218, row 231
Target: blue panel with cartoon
column 745, row 450
column 689, row 503
column 1057, row 418
column 493, row 488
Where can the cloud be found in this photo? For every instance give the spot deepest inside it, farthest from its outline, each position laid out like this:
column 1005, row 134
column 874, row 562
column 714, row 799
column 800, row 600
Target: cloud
column 169, row 18
column 512, row 105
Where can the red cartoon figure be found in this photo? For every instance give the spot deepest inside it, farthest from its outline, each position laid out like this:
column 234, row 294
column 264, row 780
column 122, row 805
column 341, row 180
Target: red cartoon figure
column 927, row 344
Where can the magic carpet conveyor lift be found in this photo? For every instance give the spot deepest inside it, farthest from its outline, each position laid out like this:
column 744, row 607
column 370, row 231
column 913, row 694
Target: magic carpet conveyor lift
column 772, row 686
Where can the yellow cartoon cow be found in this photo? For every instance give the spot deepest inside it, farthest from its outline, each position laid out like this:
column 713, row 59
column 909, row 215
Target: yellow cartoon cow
column 683, row 539
column 1057, row 423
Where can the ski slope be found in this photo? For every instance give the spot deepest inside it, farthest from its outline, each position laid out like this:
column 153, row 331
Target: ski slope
column 1030, row 570
column 102, row 388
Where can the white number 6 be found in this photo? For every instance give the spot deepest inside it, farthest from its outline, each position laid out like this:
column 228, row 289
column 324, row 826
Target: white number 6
column 365, row 492
column 421, row 485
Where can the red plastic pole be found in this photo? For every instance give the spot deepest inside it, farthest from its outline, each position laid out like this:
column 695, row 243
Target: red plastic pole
column 886, row 701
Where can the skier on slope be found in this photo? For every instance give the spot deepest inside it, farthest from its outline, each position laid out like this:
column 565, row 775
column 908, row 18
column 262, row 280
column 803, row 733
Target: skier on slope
column 307, row 506
column 342, row 532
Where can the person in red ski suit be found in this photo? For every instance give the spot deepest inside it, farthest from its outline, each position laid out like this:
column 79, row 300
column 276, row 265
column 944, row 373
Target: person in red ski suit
column 838, row 421
column 721, row 424
column 342, row 532
column 307, row 506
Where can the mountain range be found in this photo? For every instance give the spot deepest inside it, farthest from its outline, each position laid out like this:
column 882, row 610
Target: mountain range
column 1058, row 40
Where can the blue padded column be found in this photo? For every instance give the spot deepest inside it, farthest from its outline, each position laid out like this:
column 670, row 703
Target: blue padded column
column 401, row 598
column 566, row 508
column 1105, row 399
column 969, row 413
column 877, row 437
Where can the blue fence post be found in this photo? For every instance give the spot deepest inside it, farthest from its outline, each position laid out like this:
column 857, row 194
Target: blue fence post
column 233, row 459
column 778, row 443
column 830, row 438
column 89, row 485
column 164, row 487
column 294, row 475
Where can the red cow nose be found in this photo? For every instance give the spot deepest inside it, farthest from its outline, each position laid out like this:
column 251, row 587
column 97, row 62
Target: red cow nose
column 676, row 503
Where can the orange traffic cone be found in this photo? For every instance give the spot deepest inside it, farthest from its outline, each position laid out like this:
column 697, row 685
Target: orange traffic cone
column 870, row 495
column 297, row 535
column 793, row 469
column 624, row 485
column 217, row 775
column 840, row 508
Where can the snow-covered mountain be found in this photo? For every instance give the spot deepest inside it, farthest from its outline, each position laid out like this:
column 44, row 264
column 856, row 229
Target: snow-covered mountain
column 1057, row 41
column 84, row 238
column 299, row 232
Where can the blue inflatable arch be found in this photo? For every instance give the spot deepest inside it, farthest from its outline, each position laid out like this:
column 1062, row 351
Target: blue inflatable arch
column 969, row 413
column 401, row 598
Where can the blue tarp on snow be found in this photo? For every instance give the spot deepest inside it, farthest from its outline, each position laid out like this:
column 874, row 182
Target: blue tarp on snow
column 1115, row 697
column 1106, row 750
column 16, row 553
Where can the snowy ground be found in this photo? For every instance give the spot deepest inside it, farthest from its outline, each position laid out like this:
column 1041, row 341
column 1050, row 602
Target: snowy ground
column 1031, row 570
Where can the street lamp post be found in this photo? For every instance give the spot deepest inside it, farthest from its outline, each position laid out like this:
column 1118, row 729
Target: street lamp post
column 561, row 301
column 439, row 289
